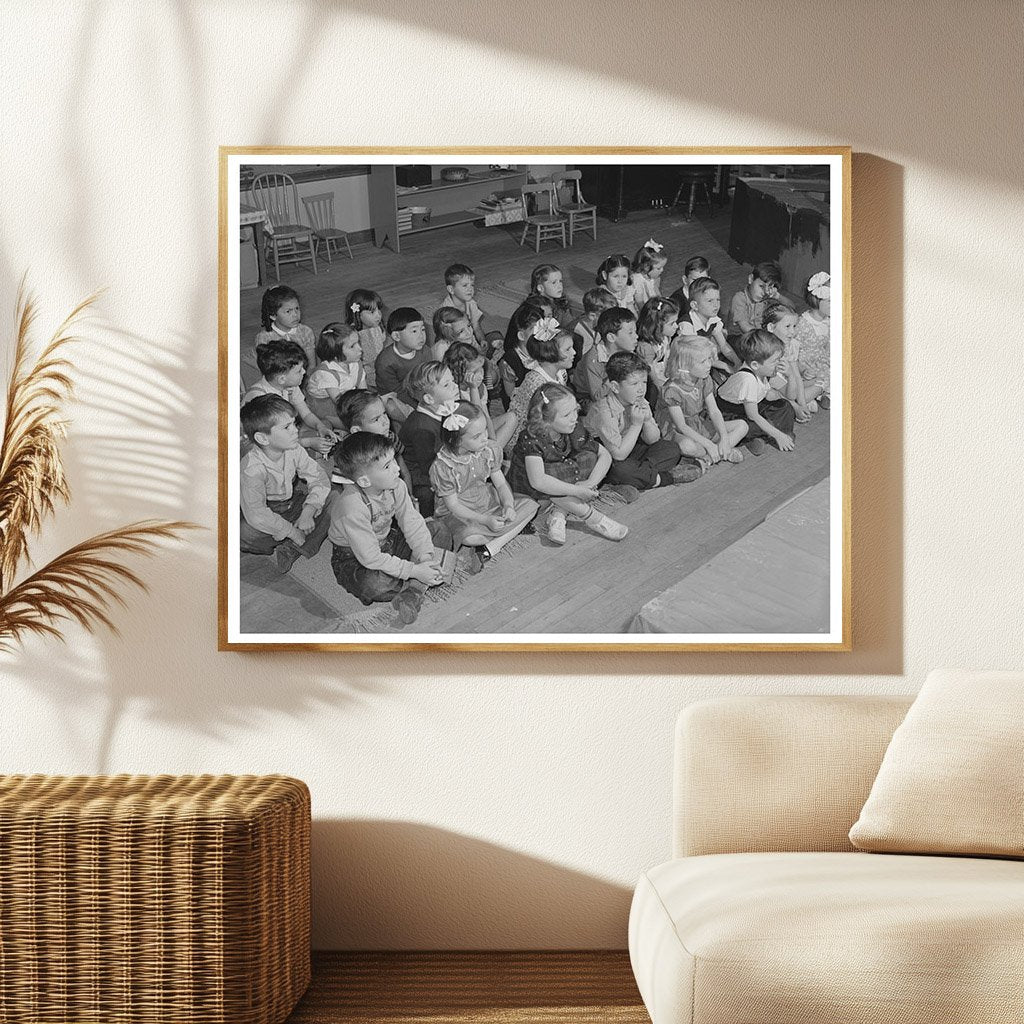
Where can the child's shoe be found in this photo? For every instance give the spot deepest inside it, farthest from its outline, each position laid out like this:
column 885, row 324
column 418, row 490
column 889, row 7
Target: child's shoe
column 624, row 493
column 812, row 406
column 824, row 402
column 734, row 456
column 600, row 523
column 407, row 604
column 686, row 471
column 286, row 554
column 556, row 527
column 478, row 558
column 756, row 446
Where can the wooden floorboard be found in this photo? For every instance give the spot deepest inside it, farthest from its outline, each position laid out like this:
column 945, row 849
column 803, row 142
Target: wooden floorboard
column 773, row 579
column 592, row 585
column 472, row 988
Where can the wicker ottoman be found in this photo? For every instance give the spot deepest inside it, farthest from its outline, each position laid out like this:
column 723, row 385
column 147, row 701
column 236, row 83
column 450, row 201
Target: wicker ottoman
column 166, row 899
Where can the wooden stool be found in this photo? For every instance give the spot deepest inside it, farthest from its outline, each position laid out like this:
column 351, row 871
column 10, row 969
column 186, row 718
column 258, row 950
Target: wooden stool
column 146, row 899
column 694, row 178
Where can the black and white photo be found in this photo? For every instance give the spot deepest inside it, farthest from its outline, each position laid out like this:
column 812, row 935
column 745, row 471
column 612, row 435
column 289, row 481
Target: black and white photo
column 535, row 399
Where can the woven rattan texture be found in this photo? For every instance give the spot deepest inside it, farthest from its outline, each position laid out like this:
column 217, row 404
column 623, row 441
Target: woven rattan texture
column 138, row 899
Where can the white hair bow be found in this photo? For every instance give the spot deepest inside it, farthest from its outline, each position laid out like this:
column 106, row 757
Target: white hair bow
column 818, row 286
column 447, row 408
column 455, row 422
column 546, row 329
column 653, row 245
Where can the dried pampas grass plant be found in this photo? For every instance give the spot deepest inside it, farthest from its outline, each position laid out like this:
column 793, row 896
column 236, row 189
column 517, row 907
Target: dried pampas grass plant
column 81, row 584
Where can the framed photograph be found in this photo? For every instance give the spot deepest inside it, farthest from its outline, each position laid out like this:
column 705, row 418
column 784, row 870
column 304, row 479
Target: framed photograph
column 555, row 399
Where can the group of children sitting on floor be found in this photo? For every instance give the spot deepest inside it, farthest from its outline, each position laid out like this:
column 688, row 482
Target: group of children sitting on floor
column 411, row 444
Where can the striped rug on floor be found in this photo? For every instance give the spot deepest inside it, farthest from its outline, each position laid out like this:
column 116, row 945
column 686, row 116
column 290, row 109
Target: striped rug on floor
column 555, row 987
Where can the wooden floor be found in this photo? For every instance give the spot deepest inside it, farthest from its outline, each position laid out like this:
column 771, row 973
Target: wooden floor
column 591, row 585
column 472, row 988
column 772, row 580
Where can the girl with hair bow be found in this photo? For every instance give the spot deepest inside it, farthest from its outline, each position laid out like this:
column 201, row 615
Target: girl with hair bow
column 648, row 265
column 472, row 497
column 813, row 335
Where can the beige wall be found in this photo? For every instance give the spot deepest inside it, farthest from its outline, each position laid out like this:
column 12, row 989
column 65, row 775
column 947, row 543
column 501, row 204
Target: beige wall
column 482, row 800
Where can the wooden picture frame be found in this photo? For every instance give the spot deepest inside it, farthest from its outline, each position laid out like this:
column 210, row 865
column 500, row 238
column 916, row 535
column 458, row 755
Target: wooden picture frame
column 750, row 557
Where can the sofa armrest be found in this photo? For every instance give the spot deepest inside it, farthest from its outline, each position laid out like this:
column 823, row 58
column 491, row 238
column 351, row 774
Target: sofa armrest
column 777, row 773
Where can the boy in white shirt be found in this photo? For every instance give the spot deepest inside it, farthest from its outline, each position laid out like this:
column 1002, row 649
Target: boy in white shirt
column 284, row 493
column 747, row 395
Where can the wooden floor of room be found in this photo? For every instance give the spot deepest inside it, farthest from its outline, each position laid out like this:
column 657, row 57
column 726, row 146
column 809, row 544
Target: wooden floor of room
column 472, row 988
column 591, row 585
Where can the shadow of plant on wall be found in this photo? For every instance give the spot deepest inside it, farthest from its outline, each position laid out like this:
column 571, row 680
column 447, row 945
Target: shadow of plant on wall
column 82, row 583
column 133, row 455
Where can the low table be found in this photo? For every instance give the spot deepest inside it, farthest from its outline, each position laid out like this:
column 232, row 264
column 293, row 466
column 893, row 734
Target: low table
column 146, row 899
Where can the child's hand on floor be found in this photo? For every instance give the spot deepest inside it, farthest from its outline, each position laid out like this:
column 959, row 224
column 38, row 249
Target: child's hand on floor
column 785, row 442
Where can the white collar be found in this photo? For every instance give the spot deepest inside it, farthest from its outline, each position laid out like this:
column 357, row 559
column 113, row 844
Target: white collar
column 560, row 378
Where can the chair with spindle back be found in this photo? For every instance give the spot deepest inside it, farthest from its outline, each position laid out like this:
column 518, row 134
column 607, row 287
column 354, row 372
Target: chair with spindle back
column 291, row 241
column 577, row 208
column 320, row 213
column 546, row 221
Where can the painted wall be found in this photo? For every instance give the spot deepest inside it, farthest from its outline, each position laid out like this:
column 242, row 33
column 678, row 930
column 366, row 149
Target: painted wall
column 480, row 800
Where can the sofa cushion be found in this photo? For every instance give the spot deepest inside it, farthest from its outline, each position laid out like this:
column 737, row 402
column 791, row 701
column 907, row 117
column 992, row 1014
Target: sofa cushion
column 782, row 938
column 950, row 781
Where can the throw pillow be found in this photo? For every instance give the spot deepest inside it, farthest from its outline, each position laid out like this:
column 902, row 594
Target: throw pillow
column 951, row 779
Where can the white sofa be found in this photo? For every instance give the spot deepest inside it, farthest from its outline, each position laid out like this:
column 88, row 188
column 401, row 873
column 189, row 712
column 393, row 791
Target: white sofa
column 768, row 915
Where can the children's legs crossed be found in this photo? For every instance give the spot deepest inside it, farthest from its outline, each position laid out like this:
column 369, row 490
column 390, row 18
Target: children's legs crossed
column 735, row 430
column 371, row 585
column 525, row 510
column 645, row 464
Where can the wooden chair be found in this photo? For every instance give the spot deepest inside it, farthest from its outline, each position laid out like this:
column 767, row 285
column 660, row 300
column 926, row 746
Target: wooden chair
column 577, row 208
column 289, row 239
column 549, row 224
column 320, row 213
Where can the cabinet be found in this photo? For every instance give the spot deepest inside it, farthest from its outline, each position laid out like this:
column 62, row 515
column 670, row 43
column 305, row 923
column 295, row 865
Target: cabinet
column 450, row 202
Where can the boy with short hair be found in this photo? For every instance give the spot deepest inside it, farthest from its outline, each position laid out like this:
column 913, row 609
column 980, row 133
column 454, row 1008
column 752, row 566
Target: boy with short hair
column 701, row 318
column 407, row 335
column 747, row 395
column 623, row 421
column 616, row 332
column 363, row 409
column 746, row 311
column 460, row 291
column 435, row 392
column 383, row 549
column 284, row 494
column 696, row 268
column 283, row 365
